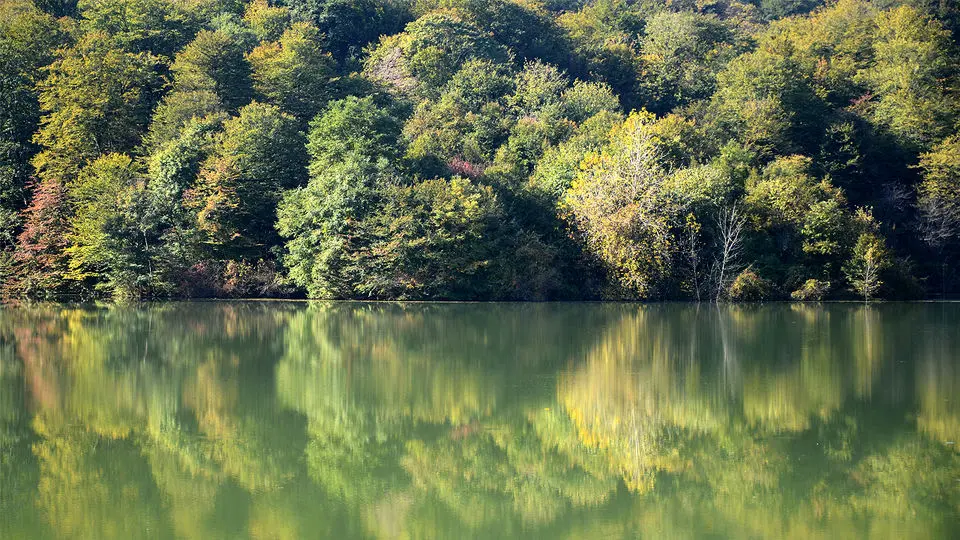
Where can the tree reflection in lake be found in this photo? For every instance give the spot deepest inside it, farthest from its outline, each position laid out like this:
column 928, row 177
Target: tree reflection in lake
column 292, row 420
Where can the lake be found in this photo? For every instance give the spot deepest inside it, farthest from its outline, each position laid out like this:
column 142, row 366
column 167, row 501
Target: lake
column 354, row 420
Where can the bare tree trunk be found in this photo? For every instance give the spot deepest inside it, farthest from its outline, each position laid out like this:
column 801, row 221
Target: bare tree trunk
column 868, row 277
column 692, row 249
column 730, row 225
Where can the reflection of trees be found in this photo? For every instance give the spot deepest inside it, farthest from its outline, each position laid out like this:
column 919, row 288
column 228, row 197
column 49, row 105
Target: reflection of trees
column 91, row 487
column 17, row 471
column 90, row 474
column 369, row 377
column 938, row 380
column 386, row 420
column 157, row 389
column 503, row 469
column 909, row 487
column 189, row 495
column 939, row 388
column 434, row 363
column 755, row 428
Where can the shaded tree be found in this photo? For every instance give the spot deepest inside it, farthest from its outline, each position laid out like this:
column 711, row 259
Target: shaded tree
column 258, row 155
column 214, row 62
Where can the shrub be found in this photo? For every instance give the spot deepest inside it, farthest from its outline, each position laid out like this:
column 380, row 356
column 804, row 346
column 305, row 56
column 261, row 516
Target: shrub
column 749, row 287
column 812, row 290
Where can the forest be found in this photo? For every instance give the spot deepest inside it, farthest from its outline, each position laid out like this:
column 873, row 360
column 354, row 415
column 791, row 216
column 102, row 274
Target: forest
column 480, row 149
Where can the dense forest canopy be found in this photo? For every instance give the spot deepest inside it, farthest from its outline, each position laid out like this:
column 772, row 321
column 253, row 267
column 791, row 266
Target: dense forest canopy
column 480, row 149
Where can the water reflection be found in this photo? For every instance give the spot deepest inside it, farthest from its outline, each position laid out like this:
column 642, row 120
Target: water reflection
column 292, row 420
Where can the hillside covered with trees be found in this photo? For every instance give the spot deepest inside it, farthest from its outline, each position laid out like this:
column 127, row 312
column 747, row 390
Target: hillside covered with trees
column 480, row 149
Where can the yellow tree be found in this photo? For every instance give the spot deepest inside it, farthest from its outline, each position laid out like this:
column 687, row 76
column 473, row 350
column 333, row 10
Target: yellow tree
column 620, row 207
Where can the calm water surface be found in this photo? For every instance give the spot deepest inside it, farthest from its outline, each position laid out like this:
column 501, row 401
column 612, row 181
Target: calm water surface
column 297, row 420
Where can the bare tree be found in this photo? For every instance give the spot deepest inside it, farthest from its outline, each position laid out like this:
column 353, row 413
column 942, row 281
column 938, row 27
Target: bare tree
column 940, row 225
column 691, row 250
column 730, row 225
column 940, row 221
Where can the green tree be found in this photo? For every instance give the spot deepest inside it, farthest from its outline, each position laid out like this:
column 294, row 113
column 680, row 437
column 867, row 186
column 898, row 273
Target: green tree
column 431, row 50
column 96, row 98
column 467, row 123
column 259, row 155
column 583, row 100
column 293, row 72
column 539, row 88
column 605, row 35
column 804, row 221
column 349, row 25
column 172, row 169
column 777, row 9
column 436, row 239
column 178, row 109
column 214, row 62
column 528, row 140
column 682, row 53
column 28, row 38
column 109, row 244
column 785, row 190
column 763, row 99
column 523, row 27
column 352, row 127
column 174, row 165
column 513, row 102
column 351, row 146
column 832, row 46
column 267, row 22
column 58, row 8
column 939, row 200
column 557, row 169
column 913, row 77
column 321, row 222
column 155, row 26
column 939, row 193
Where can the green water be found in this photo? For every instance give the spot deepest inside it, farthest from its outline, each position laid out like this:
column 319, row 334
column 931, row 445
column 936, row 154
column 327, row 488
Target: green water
column 297, row 420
